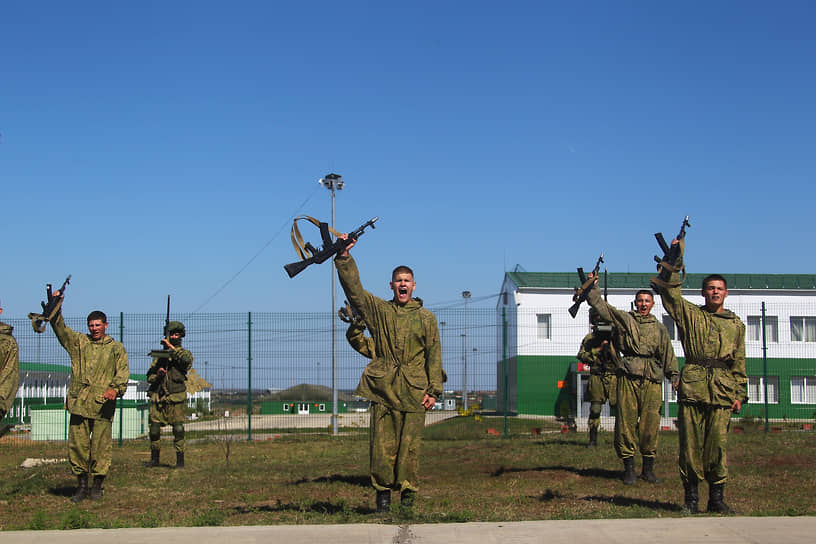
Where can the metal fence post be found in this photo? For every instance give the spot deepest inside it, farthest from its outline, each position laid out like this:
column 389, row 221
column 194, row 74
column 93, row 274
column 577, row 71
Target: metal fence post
column 765, row 369
column 504, row 367
column 120, row 400
column 249, row 376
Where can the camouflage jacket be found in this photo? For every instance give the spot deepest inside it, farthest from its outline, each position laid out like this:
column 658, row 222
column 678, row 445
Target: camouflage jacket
column 708, row 336
column 96, row 366
column 592, row 353
column 407, row 361
column 172, row 386
column 643, row 341
column 362, row 344
column 9, row 368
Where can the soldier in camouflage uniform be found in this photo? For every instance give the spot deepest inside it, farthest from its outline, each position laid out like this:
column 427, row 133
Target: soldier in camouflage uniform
column 9, row 368
column 99, row 374
column 598, row 351
column 403, row 380
column 167, row 377
column 713, row 383
column 648, row 358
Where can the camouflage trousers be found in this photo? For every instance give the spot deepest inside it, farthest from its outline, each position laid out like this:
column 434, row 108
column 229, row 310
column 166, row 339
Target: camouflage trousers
column 601, row 387
column 703, row 434
column 395, row 439
column 638, row 421
column 167, row 413
column 90, row 443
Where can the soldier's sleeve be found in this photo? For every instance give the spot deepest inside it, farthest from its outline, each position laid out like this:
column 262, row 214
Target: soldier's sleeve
column 359, row 341
column 120, row 378
column 182, row 359
column 586, row 354
column 9, row 375
column 667, row 356
column 433, row 356
column 68, row 338
column 349, row 277
column 607, row 312
column 678, row 308
column 738, row 368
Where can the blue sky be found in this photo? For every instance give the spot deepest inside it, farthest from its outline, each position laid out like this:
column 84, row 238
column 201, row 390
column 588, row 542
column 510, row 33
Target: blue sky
column 163, row 147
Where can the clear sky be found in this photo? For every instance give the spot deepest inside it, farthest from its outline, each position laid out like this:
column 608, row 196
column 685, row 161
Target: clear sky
column 164, row 147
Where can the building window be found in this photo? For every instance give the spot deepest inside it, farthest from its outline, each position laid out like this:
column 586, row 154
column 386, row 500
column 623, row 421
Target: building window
column 756, row 389
column 668, row 322
column 543, row 327
column 803, row 390
column 667, row 387
column 321, row 407
column 754, row 330
column 285, row 406
column 803, row 329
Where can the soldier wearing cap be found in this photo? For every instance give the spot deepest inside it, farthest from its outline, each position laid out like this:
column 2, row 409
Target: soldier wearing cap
column 99, row 374
column 167, row 377
column 9, row 368
column 599, row 352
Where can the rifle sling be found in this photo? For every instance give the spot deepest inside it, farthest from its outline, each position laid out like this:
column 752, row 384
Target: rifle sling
column 297, row 240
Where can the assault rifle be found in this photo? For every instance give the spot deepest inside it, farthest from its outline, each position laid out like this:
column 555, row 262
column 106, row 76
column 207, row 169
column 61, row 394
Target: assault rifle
column 311, row 255
column 49, row 307
column 671, row 253
column 586, row 284
column 163, row 354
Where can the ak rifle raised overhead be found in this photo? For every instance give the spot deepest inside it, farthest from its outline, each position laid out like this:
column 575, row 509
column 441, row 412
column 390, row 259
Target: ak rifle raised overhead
column 310, row 255
column 586, row 284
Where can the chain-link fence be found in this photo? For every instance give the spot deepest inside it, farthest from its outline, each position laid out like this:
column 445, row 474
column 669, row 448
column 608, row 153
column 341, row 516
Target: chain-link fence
column 271, row 373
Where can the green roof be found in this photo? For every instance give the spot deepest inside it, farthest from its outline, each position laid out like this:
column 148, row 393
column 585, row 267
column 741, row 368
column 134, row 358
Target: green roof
column 44, row 367
column 640, row 280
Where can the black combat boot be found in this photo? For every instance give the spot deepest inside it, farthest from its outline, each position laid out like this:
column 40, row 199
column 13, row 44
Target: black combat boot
column 179, row 459
column 96, row 490
column 154, row 459
column 629, row 476
column 407, row 501
column 82, row 491
column 648, row 471
column 716, row 505
column 691, row 500
column 593, row 437
column 383, row 501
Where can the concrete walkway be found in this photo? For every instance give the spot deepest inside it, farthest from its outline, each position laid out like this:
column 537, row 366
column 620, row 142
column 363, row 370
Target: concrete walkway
column 711, row 530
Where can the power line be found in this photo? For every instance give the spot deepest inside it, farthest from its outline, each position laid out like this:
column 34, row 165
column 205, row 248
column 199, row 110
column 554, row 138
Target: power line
column 287, row 222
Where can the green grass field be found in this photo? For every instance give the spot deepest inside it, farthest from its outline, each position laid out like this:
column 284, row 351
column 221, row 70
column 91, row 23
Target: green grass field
column 467, row 473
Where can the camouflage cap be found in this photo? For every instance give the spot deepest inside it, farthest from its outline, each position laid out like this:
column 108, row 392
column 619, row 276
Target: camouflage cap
column 176, row 326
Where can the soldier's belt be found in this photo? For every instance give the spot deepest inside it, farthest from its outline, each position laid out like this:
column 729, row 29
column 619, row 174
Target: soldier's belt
column 711, row 363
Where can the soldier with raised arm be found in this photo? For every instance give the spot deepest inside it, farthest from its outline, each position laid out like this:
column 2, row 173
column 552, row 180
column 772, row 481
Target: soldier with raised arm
column 713, row 382
column 648, row 358
column 403, row 380
column 99, row 374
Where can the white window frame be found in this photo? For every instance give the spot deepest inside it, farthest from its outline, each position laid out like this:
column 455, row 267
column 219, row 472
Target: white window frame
column 544, row 327
column 753, row 329
column 801, row 396
column 773, row 389
column 803, row 322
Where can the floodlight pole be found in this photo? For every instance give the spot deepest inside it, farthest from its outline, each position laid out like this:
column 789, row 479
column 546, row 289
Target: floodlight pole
column 333, row 182
column 466, row 296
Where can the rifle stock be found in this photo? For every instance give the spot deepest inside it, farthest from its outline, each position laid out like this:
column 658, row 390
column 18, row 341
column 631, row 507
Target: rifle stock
column 49, row 307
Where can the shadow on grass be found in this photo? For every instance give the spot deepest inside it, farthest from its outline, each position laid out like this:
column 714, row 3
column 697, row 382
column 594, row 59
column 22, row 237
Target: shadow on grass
column 587, row 472
column 632, row 501
column 573, row 442
column 317, row 507
column 361, row 481
column 63, row 490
